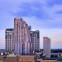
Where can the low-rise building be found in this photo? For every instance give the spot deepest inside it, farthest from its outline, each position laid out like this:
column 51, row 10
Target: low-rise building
column 12, row 58
column 49, row 60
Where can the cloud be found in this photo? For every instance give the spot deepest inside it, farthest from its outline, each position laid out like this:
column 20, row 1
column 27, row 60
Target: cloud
column 46, row 14
column 59, row 12
column 54, row 2
column 30, row 9
column 40, row 14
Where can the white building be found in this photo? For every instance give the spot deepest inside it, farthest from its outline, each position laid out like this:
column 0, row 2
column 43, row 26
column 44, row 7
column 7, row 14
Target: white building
column 21, row 36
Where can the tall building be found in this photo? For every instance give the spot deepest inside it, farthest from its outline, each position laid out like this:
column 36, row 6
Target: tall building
column 21, row 36
column 46, row 46
column 20, row 39
column 9, row 40
column 35, row 40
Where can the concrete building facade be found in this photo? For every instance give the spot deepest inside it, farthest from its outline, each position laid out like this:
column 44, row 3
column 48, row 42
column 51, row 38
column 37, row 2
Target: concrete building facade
column 9, row 40
column 35, row 39
column 46, row 46
column 22, row 36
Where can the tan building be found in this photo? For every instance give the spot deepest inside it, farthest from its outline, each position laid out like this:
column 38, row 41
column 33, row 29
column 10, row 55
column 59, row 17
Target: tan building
column 46, row 46
column 49, row 60
column 41, row 60
column 26, row 58
column 23, row 58
column 8, row 59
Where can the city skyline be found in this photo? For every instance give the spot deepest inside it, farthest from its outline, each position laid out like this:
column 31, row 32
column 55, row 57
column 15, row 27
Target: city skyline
column 43, row 33
column 21, row 39
column 44, row 15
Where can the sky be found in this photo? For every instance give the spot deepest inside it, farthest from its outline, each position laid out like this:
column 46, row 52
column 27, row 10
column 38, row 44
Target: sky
column 43, row 15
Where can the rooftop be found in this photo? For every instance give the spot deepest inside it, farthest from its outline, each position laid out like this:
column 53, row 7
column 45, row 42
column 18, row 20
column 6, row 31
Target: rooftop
column 10, row 29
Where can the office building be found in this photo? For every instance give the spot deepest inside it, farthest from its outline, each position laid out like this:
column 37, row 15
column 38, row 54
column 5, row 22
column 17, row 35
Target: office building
column 35, row 40
column 46, row 46
column 22, row 36
column 9, row 40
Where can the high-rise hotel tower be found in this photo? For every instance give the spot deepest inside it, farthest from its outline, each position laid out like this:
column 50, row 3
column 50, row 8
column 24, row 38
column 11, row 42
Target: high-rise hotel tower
column 21, row 36
column 9, row 38
column 35, row 38
column 20, row 39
